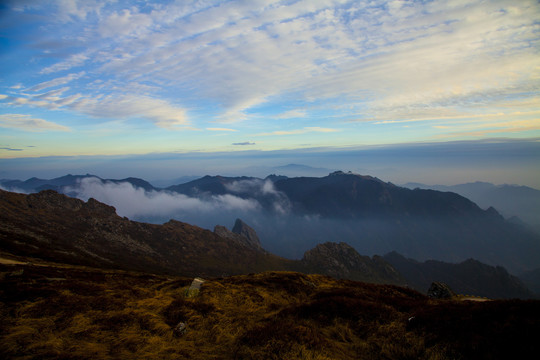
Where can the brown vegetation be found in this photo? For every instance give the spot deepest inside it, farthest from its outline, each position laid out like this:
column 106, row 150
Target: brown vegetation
column 65, row 312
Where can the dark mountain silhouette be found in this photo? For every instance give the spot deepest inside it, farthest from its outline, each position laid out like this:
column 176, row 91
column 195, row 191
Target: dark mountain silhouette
column 468, row 277
column 532, row 280
column 347, row 195
column 59, row 184
column 421, row 224
column 509, row 200
column 215, row 185
column 373, row 216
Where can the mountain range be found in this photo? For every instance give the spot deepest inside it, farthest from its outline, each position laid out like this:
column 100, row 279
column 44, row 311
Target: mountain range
column 54, row 227
column 510, row 200
column 377, row 217
column 468, row 277
column 292, row 215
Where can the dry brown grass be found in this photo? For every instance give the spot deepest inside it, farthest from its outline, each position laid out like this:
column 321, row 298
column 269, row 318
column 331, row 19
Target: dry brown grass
column 74, row 313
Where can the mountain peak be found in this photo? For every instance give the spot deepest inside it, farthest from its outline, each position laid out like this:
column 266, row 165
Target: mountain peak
column 241, row 233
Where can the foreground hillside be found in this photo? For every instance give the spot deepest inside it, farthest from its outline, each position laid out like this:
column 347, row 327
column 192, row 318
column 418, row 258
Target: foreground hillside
column 55, row 227
column 65, row 312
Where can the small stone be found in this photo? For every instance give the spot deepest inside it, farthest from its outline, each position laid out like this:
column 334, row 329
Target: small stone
column 180, row 329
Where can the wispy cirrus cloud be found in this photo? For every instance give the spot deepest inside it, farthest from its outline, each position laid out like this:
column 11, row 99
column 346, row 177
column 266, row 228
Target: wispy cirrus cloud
column 230, row 62
column 29, row 123
column 299, row 131
column 117, row 106
column 57, row 81
column 291, row 114
column 221, row 129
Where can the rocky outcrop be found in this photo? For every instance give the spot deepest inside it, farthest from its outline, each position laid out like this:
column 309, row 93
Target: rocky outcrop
column 341, row 260
column 439, row 290
column 241, row 233
column 245, row 230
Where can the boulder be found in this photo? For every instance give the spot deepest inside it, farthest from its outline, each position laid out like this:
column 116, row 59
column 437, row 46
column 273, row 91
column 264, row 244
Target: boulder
column 439, row 290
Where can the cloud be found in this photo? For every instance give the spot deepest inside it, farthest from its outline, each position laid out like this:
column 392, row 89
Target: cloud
column 264, row 191
column 486, row 129
column 244, row 143
column 299, row 131
column 124, row 23
column 10, row 149
column 160, row 112
column 114, row 106
column 220, row 129
column 28, row 123
column 292, row 114
column 56, row 82
column 74, row 60
column 136, row 202
column 375, row 60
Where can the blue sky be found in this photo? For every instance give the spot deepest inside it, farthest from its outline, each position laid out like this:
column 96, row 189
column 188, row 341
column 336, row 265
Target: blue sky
column 123, row 78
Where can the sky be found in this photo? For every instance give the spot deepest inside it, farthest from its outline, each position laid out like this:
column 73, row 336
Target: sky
column 92, row 83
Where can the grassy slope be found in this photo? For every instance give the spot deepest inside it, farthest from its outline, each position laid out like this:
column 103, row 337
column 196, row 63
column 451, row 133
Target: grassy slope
column 67, row 312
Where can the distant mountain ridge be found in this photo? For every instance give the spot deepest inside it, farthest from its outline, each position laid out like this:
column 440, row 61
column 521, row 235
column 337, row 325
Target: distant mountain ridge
column 467, row 277
column 373, row 216
column 510, row 200
column 55, row 227
column 60, row 184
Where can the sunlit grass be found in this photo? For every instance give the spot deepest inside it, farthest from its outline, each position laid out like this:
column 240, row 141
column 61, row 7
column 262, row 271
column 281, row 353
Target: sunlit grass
column 95, row 314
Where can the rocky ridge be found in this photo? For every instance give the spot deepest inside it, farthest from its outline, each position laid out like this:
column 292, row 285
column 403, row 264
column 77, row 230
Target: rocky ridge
column 341, row 260
column 55, row 227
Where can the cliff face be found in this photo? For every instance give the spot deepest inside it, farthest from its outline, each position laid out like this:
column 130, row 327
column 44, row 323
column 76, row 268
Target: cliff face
column 248, row 233
column 241, row 233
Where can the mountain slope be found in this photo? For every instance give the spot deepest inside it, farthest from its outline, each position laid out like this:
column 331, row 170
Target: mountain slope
column 215, row 185
column 52, row 226
column 420, row 224
column 510, row 200
column 342, row 261
column 468, row 277
column 55, row 227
